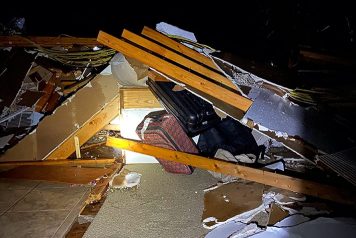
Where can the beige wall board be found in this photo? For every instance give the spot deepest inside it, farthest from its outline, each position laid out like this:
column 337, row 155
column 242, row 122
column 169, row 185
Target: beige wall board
column 65, row 120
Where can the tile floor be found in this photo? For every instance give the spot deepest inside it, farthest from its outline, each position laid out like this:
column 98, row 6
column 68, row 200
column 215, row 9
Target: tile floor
column 38, row 209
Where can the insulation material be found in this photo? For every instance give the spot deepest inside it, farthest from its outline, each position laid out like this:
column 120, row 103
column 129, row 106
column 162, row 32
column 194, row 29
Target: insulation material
column 65, row 120
column 128, row 72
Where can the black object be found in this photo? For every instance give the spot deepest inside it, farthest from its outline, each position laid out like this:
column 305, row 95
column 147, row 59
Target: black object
column 193, row 113
column 229, row 135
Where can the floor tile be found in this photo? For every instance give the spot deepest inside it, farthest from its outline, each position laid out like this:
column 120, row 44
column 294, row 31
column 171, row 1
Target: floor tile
column 16, row 184
column 50, row 199
column 31, row 224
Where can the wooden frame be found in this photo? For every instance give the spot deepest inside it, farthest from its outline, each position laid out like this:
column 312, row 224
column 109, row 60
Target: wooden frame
column 248, row 173
column 177, row 58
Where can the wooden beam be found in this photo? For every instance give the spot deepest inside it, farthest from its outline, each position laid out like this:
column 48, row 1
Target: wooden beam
column 138, row 98
column 20, row 41
column 176, row 72
column 252, row 174
column 156, row 76
column 165, row 40
column 88, row 130
column 191, row 65
column 101, row 186
column 65, row 162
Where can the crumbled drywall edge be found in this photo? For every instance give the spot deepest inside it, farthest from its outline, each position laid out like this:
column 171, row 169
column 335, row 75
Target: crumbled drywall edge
column 169, row 29
column 88, row 85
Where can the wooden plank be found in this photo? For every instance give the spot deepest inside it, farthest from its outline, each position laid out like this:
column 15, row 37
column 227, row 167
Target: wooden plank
column 44, row 41
column 101, row 186
column 64, row 174
column 66, row 162
column 138, row 98
column 165, row 40
column 252, row 174
column 176, row 72
column 112, row 127
column 156, row 76
column 92, row 126
column 177, row 58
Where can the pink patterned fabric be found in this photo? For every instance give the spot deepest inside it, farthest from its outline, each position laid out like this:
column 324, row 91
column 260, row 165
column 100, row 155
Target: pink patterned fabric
column 165, row 131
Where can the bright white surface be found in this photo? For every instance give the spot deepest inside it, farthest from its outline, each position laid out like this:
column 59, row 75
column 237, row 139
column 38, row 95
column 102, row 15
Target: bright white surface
column 130, row 118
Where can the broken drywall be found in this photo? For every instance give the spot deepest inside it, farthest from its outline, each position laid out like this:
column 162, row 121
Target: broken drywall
column 65, row 120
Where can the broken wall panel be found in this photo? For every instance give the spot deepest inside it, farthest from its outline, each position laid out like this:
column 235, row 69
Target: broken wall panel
column 11, row 77
column 65, row 120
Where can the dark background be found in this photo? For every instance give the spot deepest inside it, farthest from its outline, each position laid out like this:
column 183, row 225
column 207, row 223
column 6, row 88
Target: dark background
column 245, row 27
column 268, row 32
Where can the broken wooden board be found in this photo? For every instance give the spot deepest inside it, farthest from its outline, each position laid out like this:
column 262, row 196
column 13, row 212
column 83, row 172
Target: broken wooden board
column 175, row 72
column 191, row 65
column 63, row 174
column 100, row 188
column 248, row 173
column 172, row 44
column 82, row 115
column 20, row 41
column 138, row 98
column 66, row 162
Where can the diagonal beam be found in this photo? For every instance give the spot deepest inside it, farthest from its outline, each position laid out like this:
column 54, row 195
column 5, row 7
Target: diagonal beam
column 252, row 174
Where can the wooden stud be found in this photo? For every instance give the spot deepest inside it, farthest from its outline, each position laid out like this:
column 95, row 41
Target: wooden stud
column 252, row 174
column 92, row 126
column 20, row 41
column 165, row 40
column 66, row 162
column 176, row 72
column 177, row 58
column 77, row 147
column 138, row 98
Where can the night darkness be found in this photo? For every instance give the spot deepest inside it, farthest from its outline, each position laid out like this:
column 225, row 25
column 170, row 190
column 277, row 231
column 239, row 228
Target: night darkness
column 255, row 28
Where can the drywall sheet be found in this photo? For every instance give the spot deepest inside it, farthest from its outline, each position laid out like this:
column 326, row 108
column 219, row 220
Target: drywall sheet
column 279, row 114
column 65, row 120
